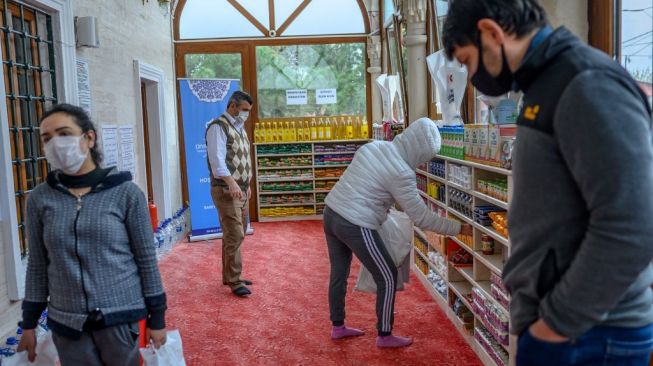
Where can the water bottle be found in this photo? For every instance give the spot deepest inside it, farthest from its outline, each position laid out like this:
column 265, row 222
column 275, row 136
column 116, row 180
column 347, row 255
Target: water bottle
column 168, row 236
column 179, row 226
column 159, row 239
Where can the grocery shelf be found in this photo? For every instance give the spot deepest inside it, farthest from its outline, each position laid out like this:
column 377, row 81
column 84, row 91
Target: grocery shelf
column 328, row 178
column 430, row 289
column 434, row 177
column 284, row 167
column 334, row 153
column 485, row 288
column 485, row 167
column 461, row 289
column 490, row 199
column 290, row 179
column 289, row 218
column 331, row 166
column 310, row 142
column 421, row 233
column 431, row 199
column 493, row 233
column 264, row 205
column 322, row 191
column 459, row 187
column 461, row 216
column 282, row 155
column 493, row 262
column 283, row 192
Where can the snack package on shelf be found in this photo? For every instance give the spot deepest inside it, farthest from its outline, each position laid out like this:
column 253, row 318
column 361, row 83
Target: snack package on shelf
column 500, row 222
column 438, row 283
column 287, row 211
column 496, row 352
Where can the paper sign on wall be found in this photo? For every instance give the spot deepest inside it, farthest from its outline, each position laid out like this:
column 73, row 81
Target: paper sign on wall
column 83, row 85
column 110, row 145
column 127, row 156
column 296, row 96
column 326, row 96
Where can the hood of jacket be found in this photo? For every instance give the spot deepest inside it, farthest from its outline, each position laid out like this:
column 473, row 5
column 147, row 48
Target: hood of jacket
column 419, row 143
column 113, row 178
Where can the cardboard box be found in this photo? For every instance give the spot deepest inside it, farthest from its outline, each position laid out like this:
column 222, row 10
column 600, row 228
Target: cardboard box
column 483, row 142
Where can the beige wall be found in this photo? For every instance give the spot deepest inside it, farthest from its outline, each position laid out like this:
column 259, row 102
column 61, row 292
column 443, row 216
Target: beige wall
column 570, row 13
column 131, row 30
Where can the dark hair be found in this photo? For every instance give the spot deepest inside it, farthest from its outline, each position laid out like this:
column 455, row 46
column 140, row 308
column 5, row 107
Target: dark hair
column 514, row 16
column 82, row 120
column 239, row 97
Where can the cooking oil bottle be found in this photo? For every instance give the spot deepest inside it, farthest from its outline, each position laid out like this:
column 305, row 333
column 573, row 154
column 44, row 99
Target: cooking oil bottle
column 350, row 129
column 365, row 130
column 328, row 130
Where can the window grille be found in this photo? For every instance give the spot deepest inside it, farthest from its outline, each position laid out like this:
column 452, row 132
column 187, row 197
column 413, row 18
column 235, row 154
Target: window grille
column 30, row 85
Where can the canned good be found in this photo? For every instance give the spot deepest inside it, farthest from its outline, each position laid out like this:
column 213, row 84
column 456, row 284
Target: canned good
column 487, row 245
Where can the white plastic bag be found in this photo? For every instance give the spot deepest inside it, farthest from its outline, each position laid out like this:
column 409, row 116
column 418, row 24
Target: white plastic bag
column 170, row 354
column 46, row 354
column 450, row 77
column 396, row 233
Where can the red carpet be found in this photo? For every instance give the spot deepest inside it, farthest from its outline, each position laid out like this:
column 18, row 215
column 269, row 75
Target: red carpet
column 286, row 320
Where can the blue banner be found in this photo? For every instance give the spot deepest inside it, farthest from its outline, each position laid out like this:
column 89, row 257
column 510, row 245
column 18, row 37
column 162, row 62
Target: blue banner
column 202, row 100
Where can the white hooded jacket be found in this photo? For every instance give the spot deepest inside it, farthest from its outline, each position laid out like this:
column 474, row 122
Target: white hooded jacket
column 382, row 173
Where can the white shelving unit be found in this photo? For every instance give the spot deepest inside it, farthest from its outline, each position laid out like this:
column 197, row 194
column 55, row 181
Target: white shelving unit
column 461, row 280
column 313, row 205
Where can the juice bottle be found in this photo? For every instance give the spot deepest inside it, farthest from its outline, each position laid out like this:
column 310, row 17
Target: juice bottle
column 328, row 130
column 365, row 131
column 313, row 130
column 350, row 129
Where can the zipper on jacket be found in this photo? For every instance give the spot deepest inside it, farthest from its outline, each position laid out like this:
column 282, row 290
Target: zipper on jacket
column 79, row 259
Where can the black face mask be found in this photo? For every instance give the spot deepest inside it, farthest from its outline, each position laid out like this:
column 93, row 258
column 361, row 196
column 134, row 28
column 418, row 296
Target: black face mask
column 488, row 84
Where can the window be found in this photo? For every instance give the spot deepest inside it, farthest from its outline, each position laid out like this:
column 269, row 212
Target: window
column 311, row 68
column 206, row 19
column 27, row 59
column 636, row 41
column 217, row 65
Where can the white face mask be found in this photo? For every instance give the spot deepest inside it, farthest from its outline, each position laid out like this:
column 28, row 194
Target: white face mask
column 243, row 115
column 65, row 153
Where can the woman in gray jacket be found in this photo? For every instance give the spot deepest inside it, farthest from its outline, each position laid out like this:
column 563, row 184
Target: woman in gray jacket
column 381, row 174
column 92, row 262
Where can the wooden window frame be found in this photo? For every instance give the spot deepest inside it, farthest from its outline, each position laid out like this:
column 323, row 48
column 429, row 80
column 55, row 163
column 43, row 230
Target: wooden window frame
column 247, row 48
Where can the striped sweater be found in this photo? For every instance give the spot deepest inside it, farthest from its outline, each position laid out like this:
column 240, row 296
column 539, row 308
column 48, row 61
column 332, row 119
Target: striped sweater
column 91, row 255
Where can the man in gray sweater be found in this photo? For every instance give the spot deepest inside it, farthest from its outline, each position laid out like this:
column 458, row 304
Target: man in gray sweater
column 580, row 218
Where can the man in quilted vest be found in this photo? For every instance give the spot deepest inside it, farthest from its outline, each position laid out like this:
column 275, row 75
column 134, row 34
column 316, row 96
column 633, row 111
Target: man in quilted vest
column 231, row 172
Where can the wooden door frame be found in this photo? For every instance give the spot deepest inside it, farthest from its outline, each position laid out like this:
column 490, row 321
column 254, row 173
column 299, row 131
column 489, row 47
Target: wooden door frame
column 247, row 49
column 603, row 17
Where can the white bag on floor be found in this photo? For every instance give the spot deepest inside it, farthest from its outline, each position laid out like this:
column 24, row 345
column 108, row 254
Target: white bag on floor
column 46, row 354
column 170, row 354
column 396, row 233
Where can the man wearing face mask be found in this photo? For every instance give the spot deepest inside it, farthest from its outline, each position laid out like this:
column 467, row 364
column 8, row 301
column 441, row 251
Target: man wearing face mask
column 231, row 172
column 581, row 238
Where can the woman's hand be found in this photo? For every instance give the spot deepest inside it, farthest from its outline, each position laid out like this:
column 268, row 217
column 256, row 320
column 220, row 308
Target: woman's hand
column 157, row 337
column 28, row 343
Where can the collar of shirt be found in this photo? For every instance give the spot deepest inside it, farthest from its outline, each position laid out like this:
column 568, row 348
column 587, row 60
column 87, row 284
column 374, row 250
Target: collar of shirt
column 238, row 124
column 539, row 37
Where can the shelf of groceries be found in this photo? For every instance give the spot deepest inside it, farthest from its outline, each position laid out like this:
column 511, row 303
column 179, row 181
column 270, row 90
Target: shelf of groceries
column 470, row 182
column 294, row 178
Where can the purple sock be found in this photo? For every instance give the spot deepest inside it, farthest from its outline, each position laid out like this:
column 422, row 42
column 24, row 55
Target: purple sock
column 391, row 341
column 344, row 332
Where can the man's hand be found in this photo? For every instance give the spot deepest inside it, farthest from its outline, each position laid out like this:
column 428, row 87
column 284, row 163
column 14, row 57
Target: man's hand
column 249, row 193
column 28, row 343
column 235, row 191
column 157, row 337
column 541, row 331
column 466, row 229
